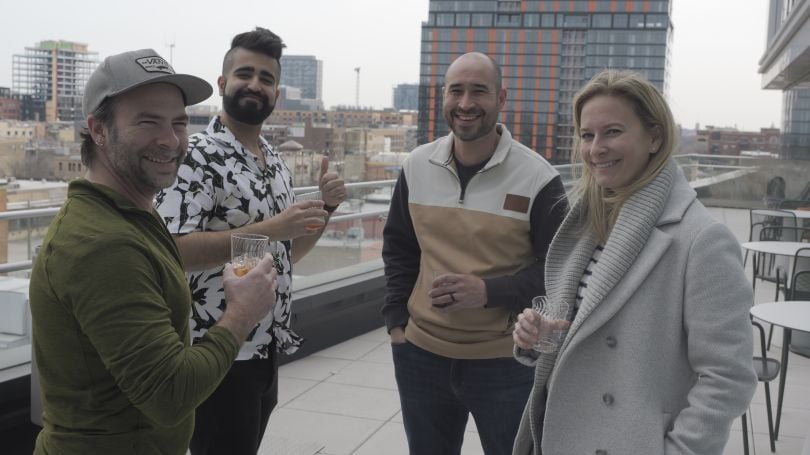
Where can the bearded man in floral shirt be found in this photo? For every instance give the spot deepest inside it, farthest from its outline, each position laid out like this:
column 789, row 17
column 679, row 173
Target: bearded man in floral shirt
column 232, row 181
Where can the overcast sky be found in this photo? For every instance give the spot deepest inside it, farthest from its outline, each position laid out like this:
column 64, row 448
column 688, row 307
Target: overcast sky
column 716, row 48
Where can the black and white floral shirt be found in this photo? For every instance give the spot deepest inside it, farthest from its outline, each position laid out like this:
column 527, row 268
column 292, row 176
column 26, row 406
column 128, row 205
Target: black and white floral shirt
column 221, row 186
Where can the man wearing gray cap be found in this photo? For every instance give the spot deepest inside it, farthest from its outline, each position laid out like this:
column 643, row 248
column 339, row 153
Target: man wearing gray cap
column 109, row 299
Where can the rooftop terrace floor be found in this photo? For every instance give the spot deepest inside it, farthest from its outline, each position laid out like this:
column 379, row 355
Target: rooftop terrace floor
column 343, row 400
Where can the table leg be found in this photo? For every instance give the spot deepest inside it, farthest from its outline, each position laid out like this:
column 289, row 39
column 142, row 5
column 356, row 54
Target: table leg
column 782, row 374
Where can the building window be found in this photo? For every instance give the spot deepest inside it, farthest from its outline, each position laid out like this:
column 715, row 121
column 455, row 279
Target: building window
column 445, row 20
column 508, row 20
column 575, row 21
column 482, row 20
column 636, row 21
column 463, row 20
column 659, row 6
column 531, row 20
column 601, row 21
column 656, row 21
column 620, row 21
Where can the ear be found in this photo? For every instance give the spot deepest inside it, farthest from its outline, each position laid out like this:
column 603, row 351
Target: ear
column 97, row 130
column 656, row 139
column 221, row 85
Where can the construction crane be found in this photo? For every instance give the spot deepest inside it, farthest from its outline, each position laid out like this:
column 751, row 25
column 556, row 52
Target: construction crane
column 171, row 50
column 357, row 88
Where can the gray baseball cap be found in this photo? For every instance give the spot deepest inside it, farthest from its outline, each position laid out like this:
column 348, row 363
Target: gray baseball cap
column 121, row 73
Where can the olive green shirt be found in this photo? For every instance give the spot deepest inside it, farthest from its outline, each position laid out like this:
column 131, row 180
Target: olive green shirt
column 110, row 306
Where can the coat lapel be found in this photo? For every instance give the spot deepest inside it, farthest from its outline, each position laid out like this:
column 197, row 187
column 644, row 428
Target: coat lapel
column 609, row 296
column 630, row 235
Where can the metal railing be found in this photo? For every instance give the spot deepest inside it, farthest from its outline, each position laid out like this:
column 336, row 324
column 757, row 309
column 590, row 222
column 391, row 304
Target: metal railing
column 694, row 166
column 28, row 214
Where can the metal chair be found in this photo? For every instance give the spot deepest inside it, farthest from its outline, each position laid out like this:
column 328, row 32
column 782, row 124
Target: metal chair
column 767, row 370
column 773, row 267
column 764, row 218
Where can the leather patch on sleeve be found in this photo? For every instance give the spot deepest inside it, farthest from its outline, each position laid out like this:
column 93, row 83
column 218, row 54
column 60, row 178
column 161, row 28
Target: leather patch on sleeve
column 516, row 203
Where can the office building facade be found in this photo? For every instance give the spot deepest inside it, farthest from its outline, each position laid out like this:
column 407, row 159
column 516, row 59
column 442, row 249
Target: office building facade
column 547, row 51
column 406, row 97
column 785, row 66
column 49, row 79
column 304, row 72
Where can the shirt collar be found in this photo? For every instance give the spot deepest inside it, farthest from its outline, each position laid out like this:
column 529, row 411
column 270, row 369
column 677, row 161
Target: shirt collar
column 218, row 131
column 82, row 186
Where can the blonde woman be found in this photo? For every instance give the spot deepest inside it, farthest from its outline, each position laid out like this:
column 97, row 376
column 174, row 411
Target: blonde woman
column 657, row 358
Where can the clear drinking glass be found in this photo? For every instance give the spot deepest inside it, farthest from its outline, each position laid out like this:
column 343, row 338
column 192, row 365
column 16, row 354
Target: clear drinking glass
column 312, row 196
column 247, row 250
column 550, row 310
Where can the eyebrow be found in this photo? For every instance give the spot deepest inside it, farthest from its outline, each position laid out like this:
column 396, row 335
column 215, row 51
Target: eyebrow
column 152, row 116
column 611, row 124
column 251, row 69
column 474, row 85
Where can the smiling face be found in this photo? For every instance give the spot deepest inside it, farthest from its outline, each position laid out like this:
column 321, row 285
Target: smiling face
column 472, row 97
column 249, row 89
column 148, row 139
column 614, row 143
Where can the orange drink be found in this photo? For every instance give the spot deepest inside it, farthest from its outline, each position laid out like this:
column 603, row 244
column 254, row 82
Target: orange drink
column 247, row 250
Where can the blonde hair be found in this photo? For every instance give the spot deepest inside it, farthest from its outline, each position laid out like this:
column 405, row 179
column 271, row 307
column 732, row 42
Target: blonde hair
column 600, row 206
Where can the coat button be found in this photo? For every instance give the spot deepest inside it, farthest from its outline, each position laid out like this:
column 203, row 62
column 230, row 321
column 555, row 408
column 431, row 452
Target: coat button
column 601, row 452
column 610, row 342
column 607, row 399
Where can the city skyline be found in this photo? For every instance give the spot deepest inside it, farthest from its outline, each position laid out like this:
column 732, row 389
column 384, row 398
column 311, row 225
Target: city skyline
column 713, row 79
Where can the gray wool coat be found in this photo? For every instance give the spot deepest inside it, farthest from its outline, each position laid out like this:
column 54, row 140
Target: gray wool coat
column 659, row 357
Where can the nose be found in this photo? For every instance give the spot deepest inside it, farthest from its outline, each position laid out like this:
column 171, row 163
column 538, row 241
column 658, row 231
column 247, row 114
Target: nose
column 597, row 144
column 466, row 101
column 169, row 138
column 253, row 84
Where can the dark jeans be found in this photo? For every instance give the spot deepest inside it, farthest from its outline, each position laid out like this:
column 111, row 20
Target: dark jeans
column 438, row 393
column 233, row 419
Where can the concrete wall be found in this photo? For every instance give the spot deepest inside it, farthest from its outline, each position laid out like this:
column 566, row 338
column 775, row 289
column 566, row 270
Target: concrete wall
column 750, row 191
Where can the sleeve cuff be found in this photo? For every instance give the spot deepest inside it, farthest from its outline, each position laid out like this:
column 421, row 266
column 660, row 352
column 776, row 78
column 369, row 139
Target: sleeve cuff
column 528, row 358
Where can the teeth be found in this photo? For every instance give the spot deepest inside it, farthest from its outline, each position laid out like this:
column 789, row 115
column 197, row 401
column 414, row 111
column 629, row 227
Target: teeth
column 158, row 160
column 604, row 165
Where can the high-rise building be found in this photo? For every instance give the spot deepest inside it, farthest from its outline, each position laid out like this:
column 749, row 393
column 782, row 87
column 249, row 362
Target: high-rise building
column 304, row 72
column 9, row 107
column 406, row 97
column 547, row 51
column 50, row 77
column 785, row 66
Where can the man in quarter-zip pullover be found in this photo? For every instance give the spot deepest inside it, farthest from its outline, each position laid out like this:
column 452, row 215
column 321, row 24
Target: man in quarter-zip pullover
column 471, row 217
